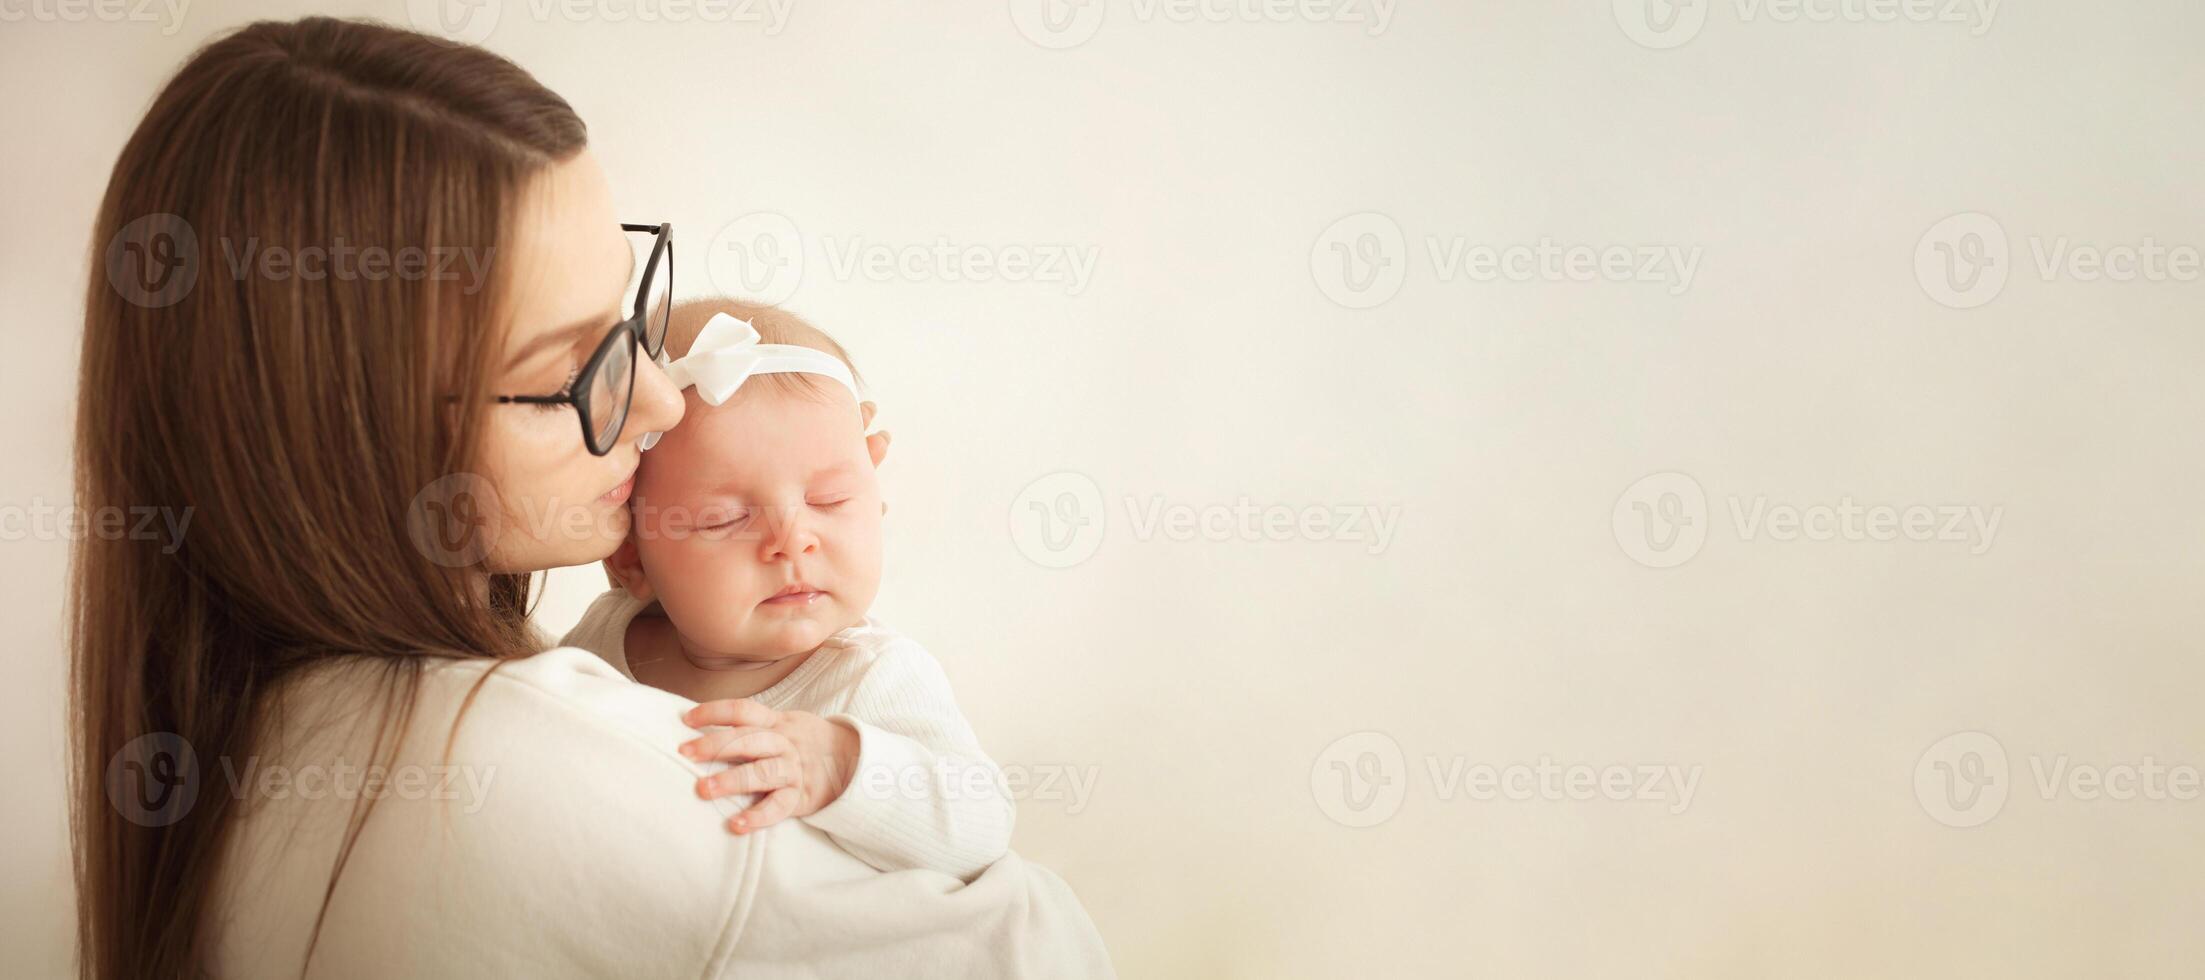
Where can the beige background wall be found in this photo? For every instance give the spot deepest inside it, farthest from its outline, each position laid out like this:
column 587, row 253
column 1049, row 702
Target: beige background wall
column 1236, row 340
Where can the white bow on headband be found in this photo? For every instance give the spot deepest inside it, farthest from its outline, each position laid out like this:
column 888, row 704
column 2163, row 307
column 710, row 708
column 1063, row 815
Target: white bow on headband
column 727, row 353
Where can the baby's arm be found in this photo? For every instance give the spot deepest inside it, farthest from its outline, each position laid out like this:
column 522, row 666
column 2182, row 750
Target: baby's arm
column 898, row 779
column 923, row 794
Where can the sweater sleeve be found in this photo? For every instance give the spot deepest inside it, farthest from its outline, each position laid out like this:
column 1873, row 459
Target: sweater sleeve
column 536, row 821
column 924, row 794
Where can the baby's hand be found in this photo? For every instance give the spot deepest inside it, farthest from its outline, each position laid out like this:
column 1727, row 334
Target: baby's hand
column 798, row 761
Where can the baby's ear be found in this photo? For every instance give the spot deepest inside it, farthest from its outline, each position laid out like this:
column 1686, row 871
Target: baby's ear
column 625, row 568
column 876, row 443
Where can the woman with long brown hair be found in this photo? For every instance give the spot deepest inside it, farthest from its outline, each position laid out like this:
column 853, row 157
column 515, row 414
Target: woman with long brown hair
column 358, row 286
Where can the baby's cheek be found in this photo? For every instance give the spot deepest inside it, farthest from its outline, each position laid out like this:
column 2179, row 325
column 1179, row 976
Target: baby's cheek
column 704, row 597
column 861, row 560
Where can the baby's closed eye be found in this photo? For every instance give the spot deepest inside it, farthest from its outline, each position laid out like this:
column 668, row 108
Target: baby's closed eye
column 719, row 519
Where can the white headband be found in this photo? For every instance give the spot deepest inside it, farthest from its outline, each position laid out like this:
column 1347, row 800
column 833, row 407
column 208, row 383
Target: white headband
column 727, row 353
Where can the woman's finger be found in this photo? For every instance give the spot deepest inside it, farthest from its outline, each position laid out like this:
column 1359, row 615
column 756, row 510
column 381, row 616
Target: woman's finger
column 732, row 711
column 775, row 807
column 737, row 743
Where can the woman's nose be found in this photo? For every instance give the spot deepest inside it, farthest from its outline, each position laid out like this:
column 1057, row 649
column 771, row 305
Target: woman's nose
column 658, row 405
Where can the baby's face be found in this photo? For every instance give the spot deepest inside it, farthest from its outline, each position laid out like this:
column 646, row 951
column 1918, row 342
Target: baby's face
column 758, row 522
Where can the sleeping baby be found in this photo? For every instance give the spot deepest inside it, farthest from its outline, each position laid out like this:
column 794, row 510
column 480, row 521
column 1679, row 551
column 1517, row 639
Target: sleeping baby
column 753, row 556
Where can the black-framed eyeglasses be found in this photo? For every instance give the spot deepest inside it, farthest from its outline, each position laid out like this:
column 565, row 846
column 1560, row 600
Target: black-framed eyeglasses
column 605, row 387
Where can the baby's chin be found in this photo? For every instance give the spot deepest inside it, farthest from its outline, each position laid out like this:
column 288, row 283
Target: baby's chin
column 788, row 637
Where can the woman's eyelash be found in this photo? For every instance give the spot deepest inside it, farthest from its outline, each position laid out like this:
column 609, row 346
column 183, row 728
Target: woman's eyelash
column 566, row 389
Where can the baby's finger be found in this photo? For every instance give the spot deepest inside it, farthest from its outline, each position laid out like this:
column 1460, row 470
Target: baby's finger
column 732, row 711
column 770, row 773
column 774, row 808
column 737, row 743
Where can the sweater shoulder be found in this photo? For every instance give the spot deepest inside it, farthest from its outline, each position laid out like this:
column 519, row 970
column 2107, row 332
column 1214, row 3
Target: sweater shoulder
column 542, row 793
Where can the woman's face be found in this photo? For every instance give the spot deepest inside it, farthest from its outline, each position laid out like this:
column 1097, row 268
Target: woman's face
column 572, row 263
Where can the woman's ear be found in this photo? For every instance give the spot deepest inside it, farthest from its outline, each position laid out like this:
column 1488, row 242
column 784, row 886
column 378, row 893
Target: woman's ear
column 625, row 567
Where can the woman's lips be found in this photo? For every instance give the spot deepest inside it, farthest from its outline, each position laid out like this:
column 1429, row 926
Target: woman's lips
column 619, row 494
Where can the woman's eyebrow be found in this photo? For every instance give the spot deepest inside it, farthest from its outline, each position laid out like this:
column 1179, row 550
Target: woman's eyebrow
column 565, row 336
column 572, row 333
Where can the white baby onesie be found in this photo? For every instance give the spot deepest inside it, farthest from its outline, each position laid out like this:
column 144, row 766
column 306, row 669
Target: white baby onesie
column 924, row 794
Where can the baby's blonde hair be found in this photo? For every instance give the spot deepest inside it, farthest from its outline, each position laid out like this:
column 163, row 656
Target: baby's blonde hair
column 775, row 326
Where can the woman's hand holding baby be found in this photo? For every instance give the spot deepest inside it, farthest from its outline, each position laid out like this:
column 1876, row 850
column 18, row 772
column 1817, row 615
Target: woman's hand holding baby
column 797, row 761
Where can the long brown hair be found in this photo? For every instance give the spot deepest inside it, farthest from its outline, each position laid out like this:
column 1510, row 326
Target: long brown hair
column 291, row 418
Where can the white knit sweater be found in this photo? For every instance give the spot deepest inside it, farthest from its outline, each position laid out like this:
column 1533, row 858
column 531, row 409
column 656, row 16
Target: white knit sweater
column 923, row 794
column 556, row 833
